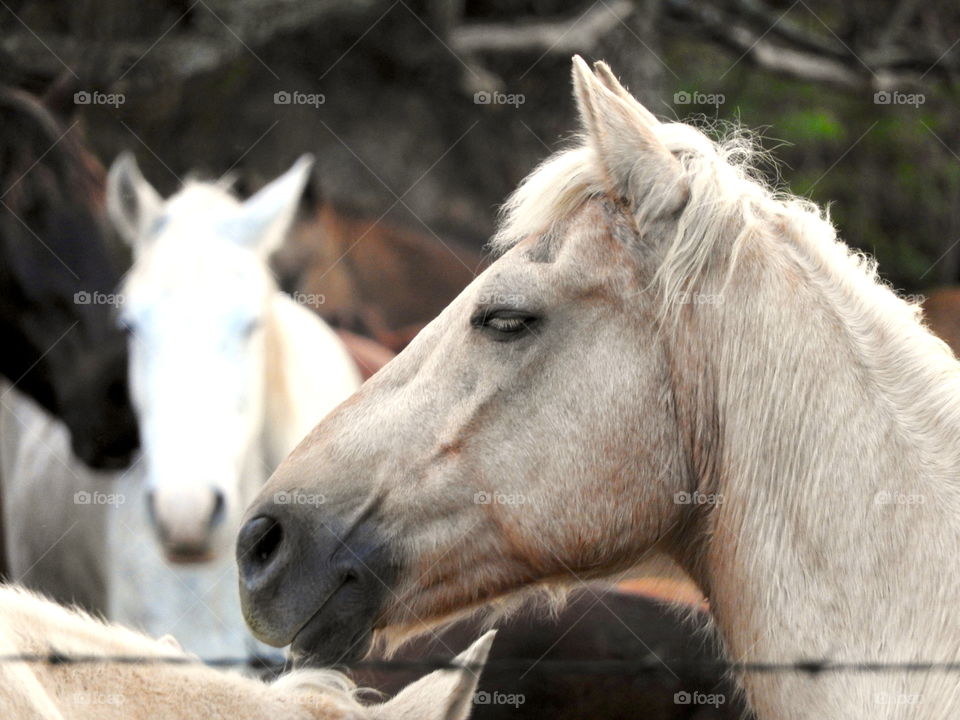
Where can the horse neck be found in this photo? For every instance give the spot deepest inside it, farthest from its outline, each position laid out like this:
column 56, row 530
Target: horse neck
column 823, row 420
column 309, row 372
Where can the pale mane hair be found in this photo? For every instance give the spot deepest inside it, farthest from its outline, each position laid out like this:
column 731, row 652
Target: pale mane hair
column 728, row 204
column 725, row 194
column 729, row 207
column 42, row 626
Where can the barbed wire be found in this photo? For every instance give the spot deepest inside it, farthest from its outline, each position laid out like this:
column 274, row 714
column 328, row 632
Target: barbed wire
column 649, row 665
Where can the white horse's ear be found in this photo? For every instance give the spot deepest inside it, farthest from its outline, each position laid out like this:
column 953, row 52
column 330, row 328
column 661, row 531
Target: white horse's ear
column 637, row 165
column 264, row 219
column 132, row 203
column 443, row 694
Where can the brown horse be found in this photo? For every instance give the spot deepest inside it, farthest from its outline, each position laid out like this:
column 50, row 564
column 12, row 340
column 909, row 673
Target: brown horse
column 58, row 276
column 368, row 355
column 941, row 309
column 371, row 277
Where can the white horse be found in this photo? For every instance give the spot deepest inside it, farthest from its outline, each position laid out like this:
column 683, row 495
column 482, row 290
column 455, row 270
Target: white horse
column 180, row 688
column 227, row 374
column 667, row 356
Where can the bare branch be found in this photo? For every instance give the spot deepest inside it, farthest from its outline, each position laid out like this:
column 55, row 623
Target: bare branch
column 789, row 53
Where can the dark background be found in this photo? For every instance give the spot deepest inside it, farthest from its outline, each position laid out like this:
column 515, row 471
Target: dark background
column 399, row 133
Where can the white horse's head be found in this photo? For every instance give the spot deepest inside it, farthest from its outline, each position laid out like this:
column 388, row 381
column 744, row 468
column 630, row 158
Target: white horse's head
column 198, row 304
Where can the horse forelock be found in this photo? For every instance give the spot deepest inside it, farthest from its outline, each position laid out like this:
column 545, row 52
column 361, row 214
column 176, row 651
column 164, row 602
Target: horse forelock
column 727, row 204
column 184, row 248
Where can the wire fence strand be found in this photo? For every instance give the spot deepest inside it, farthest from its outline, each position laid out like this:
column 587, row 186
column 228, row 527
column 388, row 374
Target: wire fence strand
column 649, row 665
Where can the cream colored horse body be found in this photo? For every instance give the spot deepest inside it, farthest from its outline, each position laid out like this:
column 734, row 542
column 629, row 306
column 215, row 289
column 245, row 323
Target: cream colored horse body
column 667, row 356
column 156, row 691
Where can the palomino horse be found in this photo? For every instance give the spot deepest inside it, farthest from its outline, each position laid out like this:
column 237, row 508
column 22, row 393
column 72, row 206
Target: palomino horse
column 60, row 343
column 227, row 374
column 681, row 361
column 169, row 684
column 370, row 277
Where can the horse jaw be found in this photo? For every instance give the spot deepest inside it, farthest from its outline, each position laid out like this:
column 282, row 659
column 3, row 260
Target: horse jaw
column 443, row 694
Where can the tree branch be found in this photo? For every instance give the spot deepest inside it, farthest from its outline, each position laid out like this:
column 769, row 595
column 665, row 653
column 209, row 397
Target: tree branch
column 798, row 56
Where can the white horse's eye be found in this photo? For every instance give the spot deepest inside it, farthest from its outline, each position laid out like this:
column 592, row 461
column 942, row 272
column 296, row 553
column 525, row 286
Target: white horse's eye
column 250, row 327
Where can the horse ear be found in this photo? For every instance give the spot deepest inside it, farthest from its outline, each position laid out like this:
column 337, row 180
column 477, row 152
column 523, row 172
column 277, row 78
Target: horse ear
column 443, row 694
column 638, row 167
column 132, row 203
column 265, row 218
column 610, row 81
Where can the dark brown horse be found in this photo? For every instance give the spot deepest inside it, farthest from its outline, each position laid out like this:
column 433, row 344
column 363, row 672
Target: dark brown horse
column 60, row 341
column 548, row 665
column 370, row 277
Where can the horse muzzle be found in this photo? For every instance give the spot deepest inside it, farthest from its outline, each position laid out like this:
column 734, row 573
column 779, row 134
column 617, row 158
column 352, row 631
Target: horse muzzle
column 311, row 580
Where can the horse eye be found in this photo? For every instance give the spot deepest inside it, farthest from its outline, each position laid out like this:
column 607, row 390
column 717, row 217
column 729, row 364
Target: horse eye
column 505, row 324
column 250, row 327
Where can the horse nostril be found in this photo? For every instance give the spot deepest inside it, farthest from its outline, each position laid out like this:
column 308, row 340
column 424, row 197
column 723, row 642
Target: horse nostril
column 269, row 543
column 258, row 544
column 219, row 508
column 152, row 512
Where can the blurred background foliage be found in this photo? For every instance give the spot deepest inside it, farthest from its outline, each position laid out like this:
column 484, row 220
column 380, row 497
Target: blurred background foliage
column 856, row 100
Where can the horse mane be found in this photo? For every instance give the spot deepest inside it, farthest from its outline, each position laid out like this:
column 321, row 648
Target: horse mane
column 41, row 161
column 730, row 207
column 728, row 202
column 51, row 187
column 45, row 626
